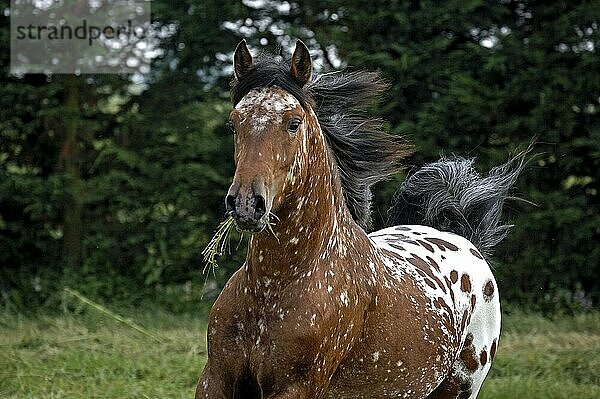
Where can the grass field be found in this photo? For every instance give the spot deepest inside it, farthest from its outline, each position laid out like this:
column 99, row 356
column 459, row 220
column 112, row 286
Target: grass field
column 91, row 355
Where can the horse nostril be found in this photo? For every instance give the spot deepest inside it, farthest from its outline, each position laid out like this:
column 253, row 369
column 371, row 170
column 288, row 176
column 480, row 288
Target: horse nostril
column 260, row 208
column 230, row 204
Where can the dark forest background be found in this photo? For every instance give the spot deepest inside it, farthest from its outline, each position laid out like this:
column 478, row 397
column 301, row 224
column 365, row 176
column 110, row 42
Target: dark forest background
column 113, row 184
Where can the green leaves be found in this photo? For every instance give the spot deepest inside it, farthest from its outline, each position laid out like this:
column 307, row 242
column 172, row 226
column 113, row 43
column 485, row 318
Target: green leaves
column 151, row 164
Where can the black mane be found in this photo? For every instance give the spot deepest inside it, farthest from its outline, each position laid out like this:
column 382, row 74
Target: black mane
column 364, row 153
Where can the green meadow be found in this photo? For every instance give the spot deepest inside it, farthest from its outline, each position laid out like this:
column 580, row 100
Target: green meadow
column 153, row 354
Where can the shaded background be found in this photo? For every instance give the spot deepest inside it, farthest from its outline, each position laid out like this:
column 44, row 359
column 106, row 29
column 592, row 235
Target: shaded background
column 113, row 184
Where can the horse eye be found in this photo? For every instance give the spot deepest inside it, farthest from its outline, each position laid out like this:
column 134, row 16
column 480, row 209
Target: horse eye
column 230, row 127
column 294, row 125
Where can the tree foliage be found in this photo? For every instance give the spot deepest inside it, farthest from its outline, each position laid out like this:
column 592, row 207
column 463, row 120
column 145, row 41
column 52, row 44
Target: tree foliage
column 117, row 186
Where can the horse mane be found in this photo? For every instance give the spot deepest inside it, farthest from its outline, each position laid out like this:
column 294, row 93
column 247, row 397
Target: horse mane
column 363, row 152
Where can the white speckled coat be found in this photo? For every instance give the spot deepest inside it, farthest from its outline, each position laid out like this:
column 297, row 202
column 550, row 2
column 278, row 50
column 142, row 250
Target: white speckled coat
column 320, row 309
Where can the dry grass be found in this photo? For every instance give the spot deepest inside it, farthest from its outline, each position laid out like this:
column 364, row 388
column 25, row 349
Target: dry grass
column 218, row 245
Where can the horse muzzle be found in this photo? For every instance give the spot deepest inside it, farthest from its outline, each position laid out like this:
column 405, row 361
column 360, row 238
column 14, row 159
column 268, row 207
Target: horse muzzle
column 248, row 207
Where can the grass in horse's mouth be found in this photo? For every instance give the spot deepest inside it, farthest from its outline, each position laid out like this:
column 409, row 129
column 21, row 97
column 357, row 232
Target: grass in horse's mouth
column 217, row 245
column 220, row 242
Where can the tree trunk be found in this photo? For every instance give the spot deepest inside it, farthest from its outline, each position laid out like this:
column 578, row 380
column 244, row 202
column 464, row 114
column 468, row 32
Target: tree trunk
column 70, row 164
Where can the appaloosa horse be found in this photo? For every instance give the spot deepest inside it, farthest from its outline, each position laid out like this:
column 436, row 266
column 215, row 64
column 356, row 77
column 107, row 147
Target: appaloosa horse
column 320, row 309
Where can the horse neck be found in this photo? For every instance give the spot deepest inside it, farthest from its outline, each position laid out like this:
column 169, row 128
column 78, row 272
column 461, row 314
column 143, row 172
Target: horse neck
column 314, row 223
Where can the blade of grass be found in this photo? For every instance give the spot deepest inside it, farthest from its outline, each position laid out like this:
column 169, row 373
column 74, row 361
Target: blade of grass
column 111, row 314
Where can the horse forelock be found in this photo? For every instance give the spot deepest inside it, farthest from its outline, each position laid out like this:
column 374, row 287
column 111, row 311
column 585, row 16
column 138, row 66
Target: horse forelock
column 267, row 72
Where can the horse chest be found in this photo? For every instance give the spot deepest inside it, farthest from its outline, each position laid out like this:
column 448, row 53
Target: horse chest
column 284, row 336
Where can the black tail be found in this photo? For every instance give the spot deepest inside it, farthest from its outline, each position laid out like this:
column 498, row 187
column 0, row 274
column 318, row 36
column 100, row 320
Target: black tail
column 450, row 195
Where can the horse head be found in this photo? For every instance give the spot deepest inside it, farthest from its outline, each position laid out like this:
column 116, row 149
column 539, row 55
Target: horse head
column 270, row 126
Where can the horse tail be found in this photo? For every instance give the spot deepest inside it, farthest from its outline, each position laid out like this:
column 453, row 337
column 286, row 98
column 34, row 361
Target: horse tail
column 450, row 195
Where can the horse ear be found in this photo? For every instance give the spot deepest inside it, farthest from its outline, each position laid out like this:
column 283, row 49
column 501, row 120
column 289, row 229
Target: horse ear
column 242, row 59
column 301, row 67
